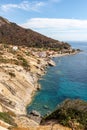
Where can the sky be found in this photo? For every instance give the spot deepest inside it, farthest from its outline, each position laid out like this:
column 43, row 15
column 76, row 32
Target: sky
column 64, row 20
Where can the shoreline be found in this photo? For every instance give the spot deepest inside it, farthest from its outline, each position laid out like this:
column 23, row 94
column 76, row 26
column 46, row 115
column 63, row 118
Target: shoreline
column 52, row 56
column 20, row 71
column 65, row 54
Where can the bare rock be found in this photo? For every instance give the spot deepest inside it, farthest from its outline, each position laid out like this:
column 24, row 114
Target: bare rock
column 51, row 63
column 35, row 113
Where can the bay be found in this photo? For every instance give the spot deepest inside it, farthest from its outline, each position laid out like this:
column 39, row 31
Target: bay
column 68, row 79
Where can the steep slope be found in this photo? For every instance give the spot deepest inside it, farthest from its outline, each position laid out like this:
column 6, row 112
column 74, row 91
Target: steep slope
column 19, row 71
column 11, row 33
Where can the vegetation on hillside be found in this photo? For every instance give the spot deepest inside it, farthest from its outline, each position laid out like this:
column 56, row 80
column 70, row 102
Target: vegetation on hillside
column 72, row 113
column 7, row 118
column 11, row 33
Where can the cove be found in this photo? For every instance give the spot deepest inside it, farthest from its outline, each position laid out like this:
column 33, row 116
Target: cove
column 68, row 79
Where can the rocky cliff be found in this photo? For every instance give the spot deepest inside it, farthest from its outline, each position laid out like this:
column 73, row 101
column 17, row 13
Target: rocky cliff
column 20, row 68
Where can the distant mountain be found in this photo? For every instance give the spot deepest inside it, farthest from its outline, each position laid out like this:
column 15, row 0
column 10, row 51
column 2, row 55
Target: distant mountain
column 11, row 33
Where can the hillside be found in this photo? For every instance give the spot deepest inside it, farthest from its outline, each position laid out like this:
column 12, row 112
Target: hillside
column 71, row 113
column 11, row 33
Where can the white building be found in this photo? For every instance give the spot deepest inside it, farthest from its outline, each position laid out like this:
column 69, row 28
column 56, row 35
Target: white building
column 15, row 48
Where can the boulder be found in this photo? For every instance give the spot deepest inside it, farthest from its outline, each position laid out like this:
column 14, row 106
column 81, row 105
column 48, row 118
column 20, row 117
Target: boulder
column 51, row 63
column 35, row 113
column 38, row 87
column 45, row 107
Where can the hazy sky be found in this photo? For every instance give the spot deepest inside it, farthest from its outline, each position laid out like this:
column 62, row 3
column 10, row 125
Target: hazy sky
column 60, row 19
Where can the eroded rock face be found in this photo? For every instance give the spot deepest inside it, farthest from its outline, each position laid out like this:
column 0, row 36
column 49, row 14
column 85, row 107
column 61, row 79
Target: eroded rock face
column 16, row 91
column 19, row 73
column 35, row 113
column 24, row 122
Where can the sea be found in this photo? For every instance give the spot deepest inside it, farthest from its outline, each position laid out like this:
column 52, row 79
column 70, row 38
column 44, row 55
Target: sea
column 66, row 80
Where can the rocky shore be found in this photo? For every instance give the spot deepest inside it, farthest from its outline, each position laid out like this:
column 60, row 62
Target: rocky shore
column 20, row 69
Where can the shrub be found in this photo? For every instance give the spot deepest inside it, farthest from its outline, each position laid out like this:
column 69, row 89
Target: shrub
column 74, row 111
column 12, row 74
column 23, row 61
column 3, row 60
column 7, row 118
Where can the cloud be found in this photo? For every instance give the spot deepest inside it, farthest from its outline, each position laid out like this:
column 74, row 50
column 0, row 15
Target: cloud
column 24, row 5
column 61, row 24
column 62, row 29
column 55, row 1
column 27, row 5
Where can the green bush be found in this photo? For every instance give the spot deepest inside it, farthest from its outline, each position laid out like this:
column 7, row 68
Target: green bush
column 7, row 118
column 3, row 60
column 23, row 61
column 12, row 74
column 69, row 111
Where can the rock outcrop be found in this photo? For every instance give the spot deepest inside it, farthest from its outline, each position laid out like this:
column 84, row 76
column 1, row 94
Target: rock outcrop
column 51, row 63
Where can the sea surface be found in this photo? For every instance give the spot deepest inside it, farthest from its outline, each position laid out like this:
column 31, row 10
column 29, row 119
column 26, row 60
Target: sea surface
column 68, row 79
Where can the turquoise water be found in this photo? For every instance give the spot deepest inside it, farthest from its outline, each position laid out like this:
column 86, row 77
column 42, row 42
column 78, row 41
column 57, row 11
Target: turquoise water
column 68, row 79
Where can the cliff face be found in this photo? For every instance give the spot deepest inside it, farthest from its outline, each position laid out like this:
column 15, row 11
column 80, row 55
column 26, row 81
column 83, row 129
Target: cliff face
column 20, row 68
column 19, row 71
column 15, row 91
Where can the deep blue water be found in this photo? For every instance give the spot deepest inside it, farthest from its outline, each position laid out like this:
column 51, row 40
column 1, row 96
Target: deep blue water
column 68, row 79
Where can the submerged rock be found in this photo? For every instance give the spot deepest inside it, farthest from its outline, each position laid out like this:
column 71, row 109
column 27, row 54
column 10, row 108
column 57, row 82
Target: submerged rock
column 45, row 107
column 38, row 87
column 35, row 113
